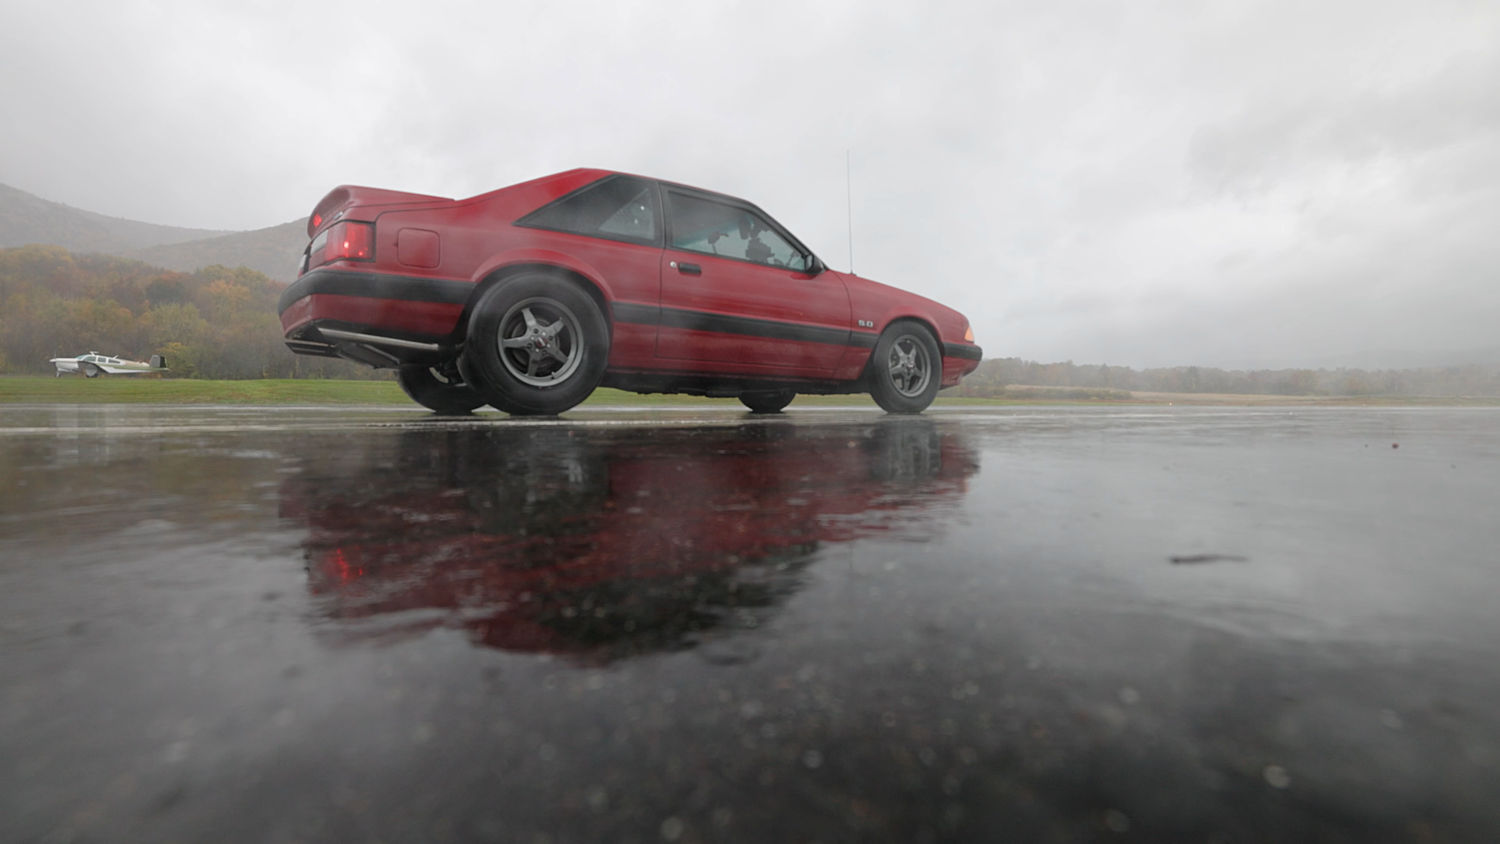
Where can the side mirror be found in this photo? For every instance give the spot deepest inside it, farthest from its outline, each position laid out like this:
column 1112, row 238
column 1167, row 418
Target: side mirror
column 815, row 265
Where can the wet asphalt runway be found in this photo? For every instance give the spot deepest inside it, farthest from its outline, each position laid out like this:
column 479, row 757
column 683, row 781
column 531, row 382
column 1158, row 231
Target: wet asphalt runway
column 1032, row 624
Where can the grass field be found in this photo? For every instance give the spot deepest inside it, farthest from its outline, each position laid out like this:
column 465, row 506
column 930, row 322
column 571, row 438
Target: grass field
column 72, row 389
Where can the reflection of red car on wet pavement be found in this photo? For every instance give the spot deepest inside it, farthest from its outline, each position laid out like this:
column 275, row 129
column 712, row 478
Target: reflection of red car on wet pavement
column 606, row 543
column 528, row 297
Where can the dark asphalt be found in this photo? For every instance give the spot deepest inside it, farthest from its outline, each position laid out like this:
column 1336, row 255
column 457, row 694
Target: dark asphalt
column 1032, row 625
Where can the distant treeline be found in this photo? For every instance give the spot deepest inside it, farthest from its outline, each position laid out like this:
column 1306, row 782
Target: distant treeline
column 216, row 322
column 995, row 376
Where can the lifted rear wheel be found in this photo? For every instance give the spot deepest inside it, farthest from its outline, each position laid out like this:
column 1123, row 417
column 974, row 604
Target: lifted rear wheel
column 438, row 388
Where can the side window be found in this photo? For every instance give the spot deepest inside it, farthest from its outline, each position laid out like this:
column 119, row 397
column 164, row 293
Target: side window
column 715, row 228
column 615, row 207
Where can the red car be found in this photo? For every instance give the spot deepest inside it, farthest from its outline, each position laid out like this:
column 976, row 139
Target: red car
column 529, row 297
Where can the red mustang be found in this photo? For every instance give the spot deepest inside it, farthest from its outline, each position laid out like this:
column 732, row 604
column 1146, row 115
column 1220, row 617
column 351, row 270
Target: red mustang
column 529, row 297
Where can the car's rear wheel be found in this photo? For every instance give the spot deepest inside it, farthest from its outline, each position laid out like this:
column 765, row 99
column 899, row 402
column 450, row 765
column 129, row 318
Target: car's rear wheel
column 905, row 370
column 438, row 388
column 767, row 401
column 90, row 371
column 537, row 345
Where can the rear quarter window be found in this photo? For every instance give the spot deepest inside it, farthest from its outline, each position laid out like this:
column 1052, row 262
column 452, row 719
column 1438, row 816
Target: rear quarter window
column 613, row 208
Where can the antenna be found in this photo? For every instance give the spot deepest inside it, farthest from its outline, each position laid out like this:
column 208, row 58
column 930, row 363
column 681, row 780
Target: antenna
column 849, row 199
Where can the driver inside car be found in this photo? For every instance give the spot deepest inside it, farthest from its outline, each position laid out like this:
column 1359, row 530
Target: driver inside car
column 755, row 250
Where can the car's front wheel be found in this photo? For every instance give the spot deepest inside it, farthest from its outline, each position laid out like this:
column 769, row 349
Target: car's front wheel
column 767, row 401
column 90, row 371
column 438, row 388
column 906, row 369
column 537, row 345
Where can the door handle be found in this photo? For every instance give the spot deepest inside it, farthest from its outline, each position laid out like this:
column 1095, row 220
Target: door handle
column 688, row 269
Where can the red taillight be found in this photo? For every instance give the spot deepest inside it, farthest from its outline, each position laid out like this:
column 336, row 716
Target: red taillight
column 351, row 241
column 344, row 241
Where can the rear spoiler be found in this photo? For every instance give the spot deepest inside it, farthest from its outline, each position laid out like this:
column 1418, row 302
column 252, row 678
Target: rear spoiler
column 344, row 197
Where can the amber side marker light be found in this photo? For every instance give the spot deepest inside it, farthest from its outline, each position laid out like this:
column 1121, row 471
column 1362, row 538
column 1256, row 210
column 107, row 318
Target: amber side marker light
column 969, row 334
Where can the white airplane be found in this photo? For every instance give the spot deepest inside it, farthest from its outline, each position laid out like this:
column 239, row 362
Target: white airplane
column 93, row 364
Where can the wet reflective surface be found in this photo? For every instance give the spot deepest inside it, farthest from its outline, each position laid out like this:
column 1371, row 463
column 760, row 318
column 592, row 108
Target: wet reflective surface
column 1036, row 624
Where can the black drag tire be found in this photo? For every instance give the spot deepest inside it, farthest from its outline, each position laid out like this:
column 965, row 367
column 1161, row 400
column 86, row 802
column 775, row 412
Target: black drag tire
column 438, row 388
column 767, row 401
column 537, row 345
column 91, row 371
column 906, row 369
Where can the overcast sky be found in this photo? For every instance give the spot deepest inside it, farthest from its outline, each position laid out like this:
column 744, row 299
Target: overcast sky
column 1218, row 183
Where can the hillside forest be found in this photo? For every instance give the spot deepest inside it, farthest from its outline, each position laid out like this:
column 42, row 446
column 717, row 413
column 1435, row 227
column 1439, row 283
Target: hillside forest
column 215, row 322
column 218, row 322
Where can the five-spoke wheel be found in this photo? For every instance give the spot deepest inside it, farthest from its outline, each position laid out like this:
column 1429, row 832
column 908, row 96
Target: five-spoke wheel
column 906, row 369
column 540, row 342
column 537, row 345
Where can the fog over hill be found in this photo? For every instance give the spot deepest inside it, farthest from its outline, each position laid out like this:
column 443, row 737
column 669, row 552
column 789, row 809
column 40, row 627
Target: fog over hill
column 275, row 251
column 25, row 218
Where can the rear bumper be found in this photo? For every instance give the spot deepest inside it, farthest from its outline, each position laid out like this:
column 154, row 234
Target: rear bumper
column 385, row 287
column 327, row 308
column 341, row 313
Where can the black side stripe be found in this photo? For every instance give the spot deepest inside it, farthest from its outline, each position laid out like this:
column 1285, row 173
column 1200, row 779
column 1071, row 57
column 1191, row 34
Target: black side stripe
column 752, row 327
column 637, row 314
column 745, row 326
column 375, row 286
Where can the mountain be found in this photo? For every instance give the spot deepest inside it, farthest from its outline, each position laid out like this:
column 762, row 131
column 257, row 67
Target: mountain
column 274, row 251
column 25, row 218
